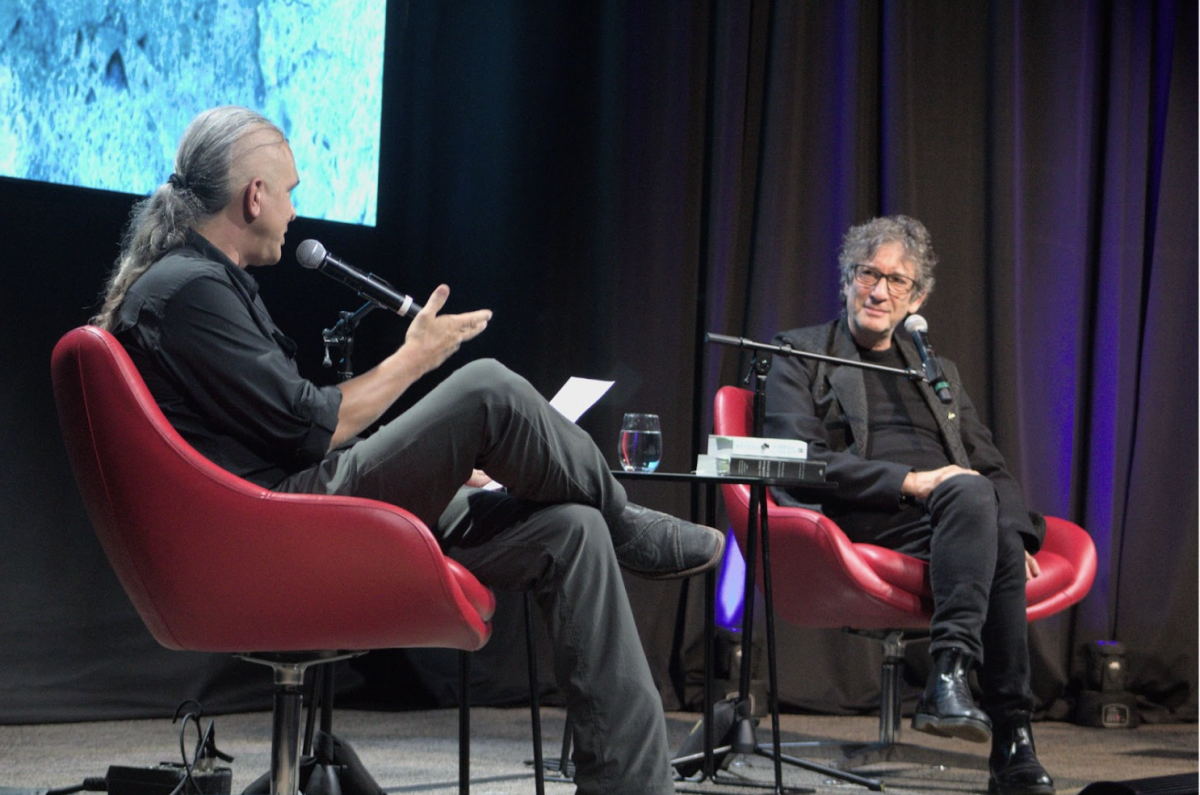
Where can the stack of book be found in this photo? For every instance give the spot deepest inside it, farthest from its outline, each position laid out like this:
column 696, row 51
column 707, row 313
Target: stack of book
column 758, row 457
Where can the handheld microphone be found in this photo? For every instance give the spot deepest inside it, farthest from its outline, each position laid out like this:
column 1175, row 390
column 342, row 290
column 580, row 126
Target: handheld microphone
column 311, row 254
column 918, row 327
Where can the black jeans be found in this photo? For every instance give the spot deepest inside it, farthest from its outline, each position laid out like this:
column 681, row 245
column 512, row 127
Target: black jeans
column 977, row 574
column 553, row 533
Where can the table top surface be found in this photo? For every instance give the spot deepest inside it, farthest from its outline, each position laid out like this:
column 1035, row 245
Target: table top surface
column 692, row 477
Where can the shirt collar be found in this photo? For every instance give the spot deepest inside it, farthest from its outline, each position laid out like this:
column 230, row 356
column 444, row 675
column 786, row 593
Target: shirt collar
column 239, row 275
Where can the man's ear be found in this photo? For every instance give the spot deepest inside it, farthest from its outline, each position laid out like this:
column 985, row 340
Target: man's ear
column 914, row 303
column 252, row 199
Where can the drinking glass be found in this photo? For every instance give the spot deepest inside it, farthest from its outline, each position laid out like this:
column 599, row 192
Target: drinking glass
column 641, row 442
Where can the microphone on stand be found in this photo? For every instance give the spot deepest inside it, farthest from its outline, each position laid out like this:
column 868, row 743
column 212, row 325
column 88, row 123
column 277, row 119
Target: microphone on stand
column 311, row 254
column 918, row 327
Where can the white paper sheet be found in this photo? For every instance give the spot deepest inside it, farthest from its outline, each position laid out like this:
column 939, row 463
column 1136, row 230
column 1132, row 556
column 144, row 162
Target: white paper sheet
column 578, row 395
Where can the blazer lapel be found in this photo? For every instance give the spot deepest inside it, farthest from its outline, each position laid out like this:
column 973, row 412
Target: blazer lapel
column 847, row 384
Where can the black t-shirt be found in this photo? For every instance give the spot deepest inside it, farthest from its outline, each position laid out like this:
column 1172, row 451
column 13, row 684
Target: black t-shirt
column 900, row 426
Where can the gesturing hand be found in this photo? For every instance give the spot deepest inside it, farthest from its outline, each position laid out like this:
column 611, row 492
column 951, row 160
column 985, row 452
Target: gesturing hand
column 432, row 338
column 429, row 342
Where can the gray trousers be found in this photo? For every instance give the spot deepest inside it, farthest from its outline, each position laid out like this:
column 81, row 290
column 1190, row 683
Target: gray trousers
column 552, row 533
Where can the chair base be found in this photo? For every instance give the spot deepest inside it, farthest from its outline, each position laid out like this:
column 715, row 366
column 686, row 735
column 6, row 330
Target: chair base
column 560, row 769
column 289, row 668
column 555, row 769
column 888, row 748
column 289, row 671
column 850, row 756
column 854, row 756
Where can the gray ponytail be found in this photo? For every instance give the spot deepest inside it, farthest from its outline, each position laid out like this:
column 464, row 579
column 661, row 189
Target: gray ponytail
column 201, row 186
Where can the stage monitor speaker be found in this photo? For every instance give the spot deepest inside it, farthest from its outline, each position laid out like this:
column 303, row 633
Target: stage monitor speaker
column 1104, row 702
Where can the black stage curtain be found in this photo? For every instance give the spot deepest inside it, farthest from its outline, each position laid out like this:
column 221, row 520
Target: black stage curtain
column 615, row 179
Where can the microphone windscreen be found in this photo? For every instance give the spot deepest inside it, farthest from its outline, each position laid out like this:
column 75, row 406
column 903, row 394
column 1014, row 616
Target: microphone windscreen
column 913, row 325
column 310, row 253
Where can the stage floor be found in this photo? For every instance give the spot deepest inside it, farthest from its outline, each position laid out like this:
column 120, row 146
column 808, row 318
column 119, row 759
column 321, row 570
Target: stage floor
column 417, row 751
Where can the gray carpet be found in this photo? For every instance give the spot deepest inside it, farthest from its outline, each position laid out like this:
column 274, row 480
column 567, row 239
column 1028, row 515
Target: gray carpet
column 417, row 752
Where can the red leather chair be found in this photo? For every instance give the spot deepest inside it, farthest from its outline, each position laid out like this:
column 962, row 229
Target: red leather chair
column 869, row 590
column 214, row 563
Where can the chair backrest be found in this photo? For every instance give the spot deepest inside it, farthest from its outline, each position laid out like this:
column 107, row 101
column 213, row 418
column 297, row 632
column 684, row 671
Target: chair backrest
column 212, row 562
column 832, row 582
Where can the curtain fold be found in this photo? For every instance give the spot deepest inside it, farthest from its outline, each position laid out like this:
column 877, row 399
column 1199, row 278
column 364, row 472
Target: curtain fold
column 1046, row 147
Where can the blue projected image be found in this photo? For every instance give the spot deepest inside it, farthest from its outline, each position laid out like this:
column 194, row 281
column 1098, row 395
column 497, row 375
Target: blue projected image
column 96, row 93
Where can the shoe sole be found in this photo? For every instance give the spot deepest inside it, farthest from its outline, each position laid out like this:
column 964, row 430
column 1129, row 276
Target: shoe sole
column 679, row 575
column 959, row 728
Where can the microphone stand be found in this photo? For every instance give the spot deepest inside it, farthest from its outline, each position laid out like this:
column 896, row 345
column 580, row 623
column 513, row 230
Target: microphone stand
column 341, row 335
column 744, row 740
column 787, row 350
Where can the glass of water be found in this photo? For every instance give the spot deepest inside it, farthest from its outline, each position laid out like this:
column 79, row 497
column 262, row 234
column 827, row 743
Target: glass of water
column 641, row 442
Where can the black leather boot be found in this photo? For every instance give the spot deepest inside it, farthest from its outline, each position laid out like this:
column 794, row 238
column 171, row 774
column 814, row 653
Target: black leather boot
column 1013, row 768
column 946, row 708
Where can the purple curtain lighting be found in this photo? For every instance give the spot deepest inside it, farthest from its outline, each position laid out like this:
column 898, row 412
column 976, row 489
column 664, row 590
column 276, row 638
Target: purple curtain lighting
column 1046, row 146
column 616, row 179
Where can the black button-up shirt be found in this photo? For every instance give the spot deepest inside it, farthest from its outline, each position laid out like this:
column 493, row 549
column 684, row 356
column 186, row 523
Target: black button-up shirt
column 223, row 373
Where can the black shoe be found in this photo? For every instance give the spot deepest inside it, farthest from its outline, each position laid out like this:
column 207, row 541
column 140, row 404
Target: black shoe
column 946, row 707
column 656, row 546
column 1013, row 767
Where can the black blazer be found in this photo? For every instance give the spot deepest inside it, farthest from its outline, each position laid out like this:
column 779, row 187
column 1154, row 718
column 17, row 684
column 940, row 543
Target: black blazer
column 825, row 404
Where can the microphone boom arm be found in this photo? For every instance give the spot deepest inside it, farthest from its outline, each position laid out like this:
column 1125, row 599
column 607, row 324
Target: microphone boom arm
column 785, row 350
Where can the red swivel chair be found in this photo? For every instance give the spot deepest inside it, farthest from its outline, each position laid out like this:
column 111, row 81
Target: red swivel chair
column 869, row 590
column 214, row 563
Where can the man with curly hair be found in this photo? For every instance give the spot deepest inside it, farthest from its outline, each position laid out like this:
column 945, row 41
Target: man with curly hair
column 918, row 473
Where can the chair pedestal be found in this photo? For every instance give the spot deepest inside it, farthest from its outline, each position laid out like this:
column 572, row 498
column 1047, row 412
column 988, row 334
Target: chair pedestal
column 285, row 729
column 889, row 748
column 288, row 670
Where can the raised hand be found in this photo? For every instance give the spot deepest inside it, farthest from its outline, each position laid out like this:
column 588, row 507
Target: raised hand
column 430, row 340
column 433, row 338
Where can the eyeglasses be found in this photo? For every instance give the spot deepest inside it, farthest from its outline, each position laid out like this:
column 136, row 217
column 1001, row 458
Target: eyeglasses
column 898, row 284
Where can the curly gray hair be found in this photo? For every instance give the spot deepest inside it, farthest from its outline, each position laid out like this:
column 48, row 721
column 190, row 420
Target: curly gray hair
column 862, row 241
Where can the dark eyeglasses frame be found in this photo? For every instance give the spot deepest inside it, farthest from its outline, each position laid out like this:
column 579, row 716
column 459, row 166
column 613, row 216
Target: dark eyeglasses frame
column 898, row 284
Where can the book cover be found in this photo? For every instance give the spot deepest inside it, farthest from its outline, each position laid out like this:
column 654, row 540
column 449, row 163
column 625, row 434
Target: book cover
column 757, row 446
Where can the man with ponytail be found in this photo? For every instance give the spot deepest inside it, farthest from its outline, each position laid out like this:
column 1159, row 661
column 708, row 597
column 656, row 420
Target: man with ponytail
column 182, row 303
